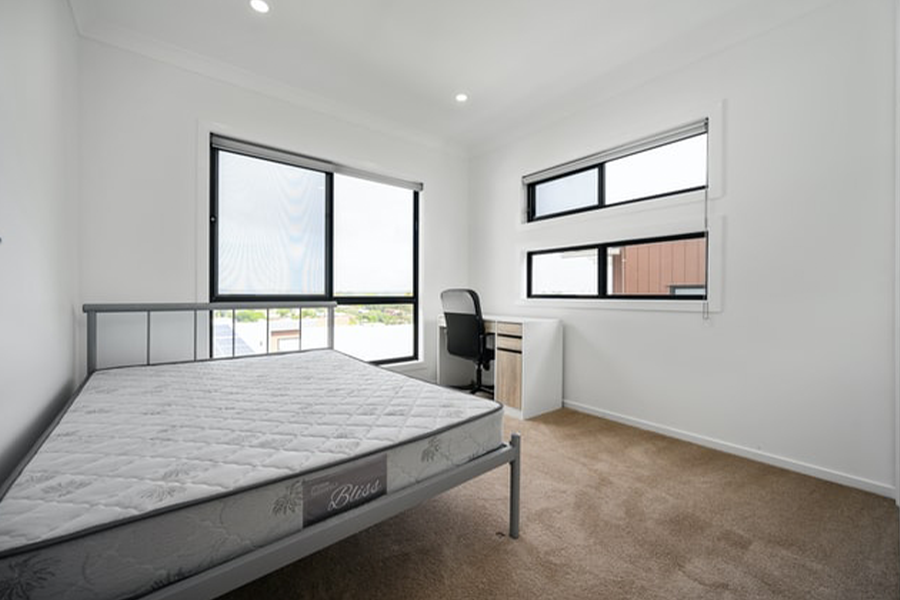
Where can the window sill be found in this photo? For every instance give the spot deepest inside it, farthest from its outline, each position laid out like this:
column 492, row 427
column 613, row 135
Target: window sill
column 689, row 306
column 407, row 368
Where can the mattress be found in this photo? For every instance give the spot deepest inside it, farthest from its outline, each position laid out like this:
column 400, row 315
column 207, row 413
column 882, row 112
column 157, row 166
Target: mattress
column 156, row 473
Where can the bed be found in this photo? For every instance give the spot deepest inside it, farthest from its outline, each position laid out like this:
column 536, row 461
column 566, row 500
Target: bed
column 188, row 479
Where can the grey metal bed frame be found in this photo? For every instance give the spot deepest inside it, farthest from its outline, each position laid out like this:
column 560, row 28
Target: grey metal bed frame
column 243, row 569
column 92, row 310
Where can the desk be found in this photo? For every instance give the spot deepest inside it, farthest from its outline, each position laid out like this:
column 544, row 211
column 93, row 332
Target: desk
column 527, row 369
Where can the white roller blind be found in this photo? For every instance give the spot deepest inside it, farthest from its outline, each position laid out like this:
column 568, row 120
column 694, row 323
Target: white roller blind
column 307, row 162
column 672, row 135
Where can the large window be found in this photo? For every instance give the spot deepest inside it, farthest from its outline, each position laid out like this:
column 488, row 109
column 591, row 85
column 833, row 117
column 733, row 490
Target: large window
column 668, row 164
column 291, row 227
column 670, row 268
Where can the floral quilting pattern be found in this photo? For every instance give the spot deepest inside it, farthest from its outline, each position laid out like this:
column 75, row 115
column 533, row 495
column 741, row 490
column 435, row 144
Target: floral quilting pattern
column 20, row 578
column 431, row 451
column 61, row 489
column 290, row 501
column 162, row 492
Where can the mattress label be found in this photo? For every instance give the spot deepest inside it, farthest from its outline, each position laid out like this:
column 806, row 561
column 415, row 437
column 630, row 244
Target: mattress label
column 341, row 490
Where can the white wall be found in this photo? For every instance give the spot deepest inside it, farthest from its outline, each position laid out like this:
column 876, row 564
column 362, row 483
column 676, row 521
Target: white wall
column 145, row 205
column 38, row 202
column 797, row 367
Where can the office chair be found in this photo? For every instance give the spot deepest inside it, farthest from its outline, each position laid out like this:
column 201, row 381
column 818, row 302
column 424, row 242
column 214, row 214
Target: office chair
column 465, row 332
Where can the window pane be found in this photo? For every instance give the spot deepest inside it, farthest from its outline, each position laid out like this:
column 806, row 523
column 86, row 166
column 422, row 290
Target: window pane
column 568, row 273
column 271, row 228
column 571, row 192
column 673, row 268
column 315, row 328
column 239, row 333
column 373, row 238
column 374, row 331
column 284, row 329
column 663, row 170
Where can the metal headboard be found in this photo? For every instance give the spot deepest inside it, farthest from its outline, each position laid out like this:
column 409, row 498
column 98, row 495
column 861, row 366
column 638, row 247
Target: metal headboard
column 92, row 310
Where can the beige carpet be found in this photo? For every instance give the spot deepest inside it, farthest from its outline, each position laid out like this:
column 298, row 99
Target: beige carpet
column 612, row 512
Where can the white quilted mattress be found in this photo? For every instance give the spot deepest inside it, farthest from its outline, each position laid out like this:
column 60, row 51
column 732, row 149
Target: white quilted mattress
column 155, row 473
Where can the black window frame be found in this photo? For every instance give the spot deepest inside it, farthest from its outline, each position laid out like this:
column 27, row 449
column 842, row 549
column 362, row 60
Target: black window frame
column 532, row 194
column 602, row 248
column 599, row 162
column 328, row 295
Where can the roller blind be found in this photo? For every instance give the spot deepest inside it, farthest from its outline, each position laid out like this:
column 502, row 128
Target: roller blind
column 308, row 162
column 671, row 135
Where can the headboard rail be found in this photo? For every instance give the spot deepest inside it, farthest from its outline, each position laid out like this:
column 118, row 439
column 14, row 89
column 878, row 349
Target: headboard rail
column 148, row 309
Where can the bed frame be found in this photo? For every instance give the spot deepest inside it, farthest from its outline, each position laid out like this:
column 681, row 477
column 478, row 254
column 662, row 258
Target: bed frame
column 243, row 569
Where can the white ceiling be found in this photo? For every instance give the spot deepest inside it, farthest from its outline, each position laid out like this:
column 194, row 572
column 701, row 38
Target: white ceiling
column 397, row 64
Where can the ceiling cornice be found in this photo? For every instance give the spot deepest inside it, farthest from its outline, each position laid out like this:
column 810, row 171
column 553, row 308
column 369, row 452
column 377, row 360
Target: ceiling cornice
column 488, row 132
column 707, row 41
column 137, row 43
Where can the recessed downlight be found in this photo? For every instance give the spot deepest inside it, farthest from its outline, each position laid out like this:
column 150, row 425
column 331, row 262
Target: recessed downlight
column 462, row 97
column 260, row 6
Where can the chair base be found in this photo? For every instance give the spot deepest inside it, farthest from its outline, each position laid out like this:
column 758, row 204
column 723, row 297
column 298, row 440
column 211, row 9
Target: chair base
column 478, row 386
column 473, row 388
column 487, row 389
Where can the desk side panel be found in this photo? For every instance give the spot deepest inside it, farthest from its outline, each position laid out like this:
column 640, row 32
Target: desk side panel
column 542, row 367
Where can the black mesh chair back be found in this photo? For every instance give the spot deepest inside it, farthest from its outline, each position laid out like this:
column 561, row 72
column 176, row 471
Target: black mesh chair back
column 465, row 331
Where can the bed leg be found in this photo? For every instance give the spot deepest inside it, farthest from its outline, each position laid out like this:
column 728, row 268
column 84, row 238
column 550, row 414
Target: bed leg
column 91, row 342
column 514, row 479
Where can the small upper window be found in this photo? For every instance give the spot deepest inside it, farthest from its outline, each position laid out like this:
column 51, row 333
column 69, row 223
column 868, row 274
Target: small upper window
column 663, row 165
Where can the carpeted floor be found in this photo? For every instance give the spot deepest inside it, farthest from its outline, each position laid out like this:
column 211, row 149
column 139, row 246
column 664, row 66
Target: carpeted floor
column 613, row 512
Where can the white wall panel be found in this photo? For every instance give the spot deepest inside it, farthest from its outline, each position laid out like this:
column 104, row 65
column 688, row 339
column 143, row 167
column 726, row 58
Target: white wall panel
column 797, row 366
column 38, row 212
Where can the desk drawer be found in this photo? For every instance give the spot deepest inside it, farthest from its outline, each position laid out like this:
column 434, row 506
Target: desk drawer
column 509, row 328
column 509, row 343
